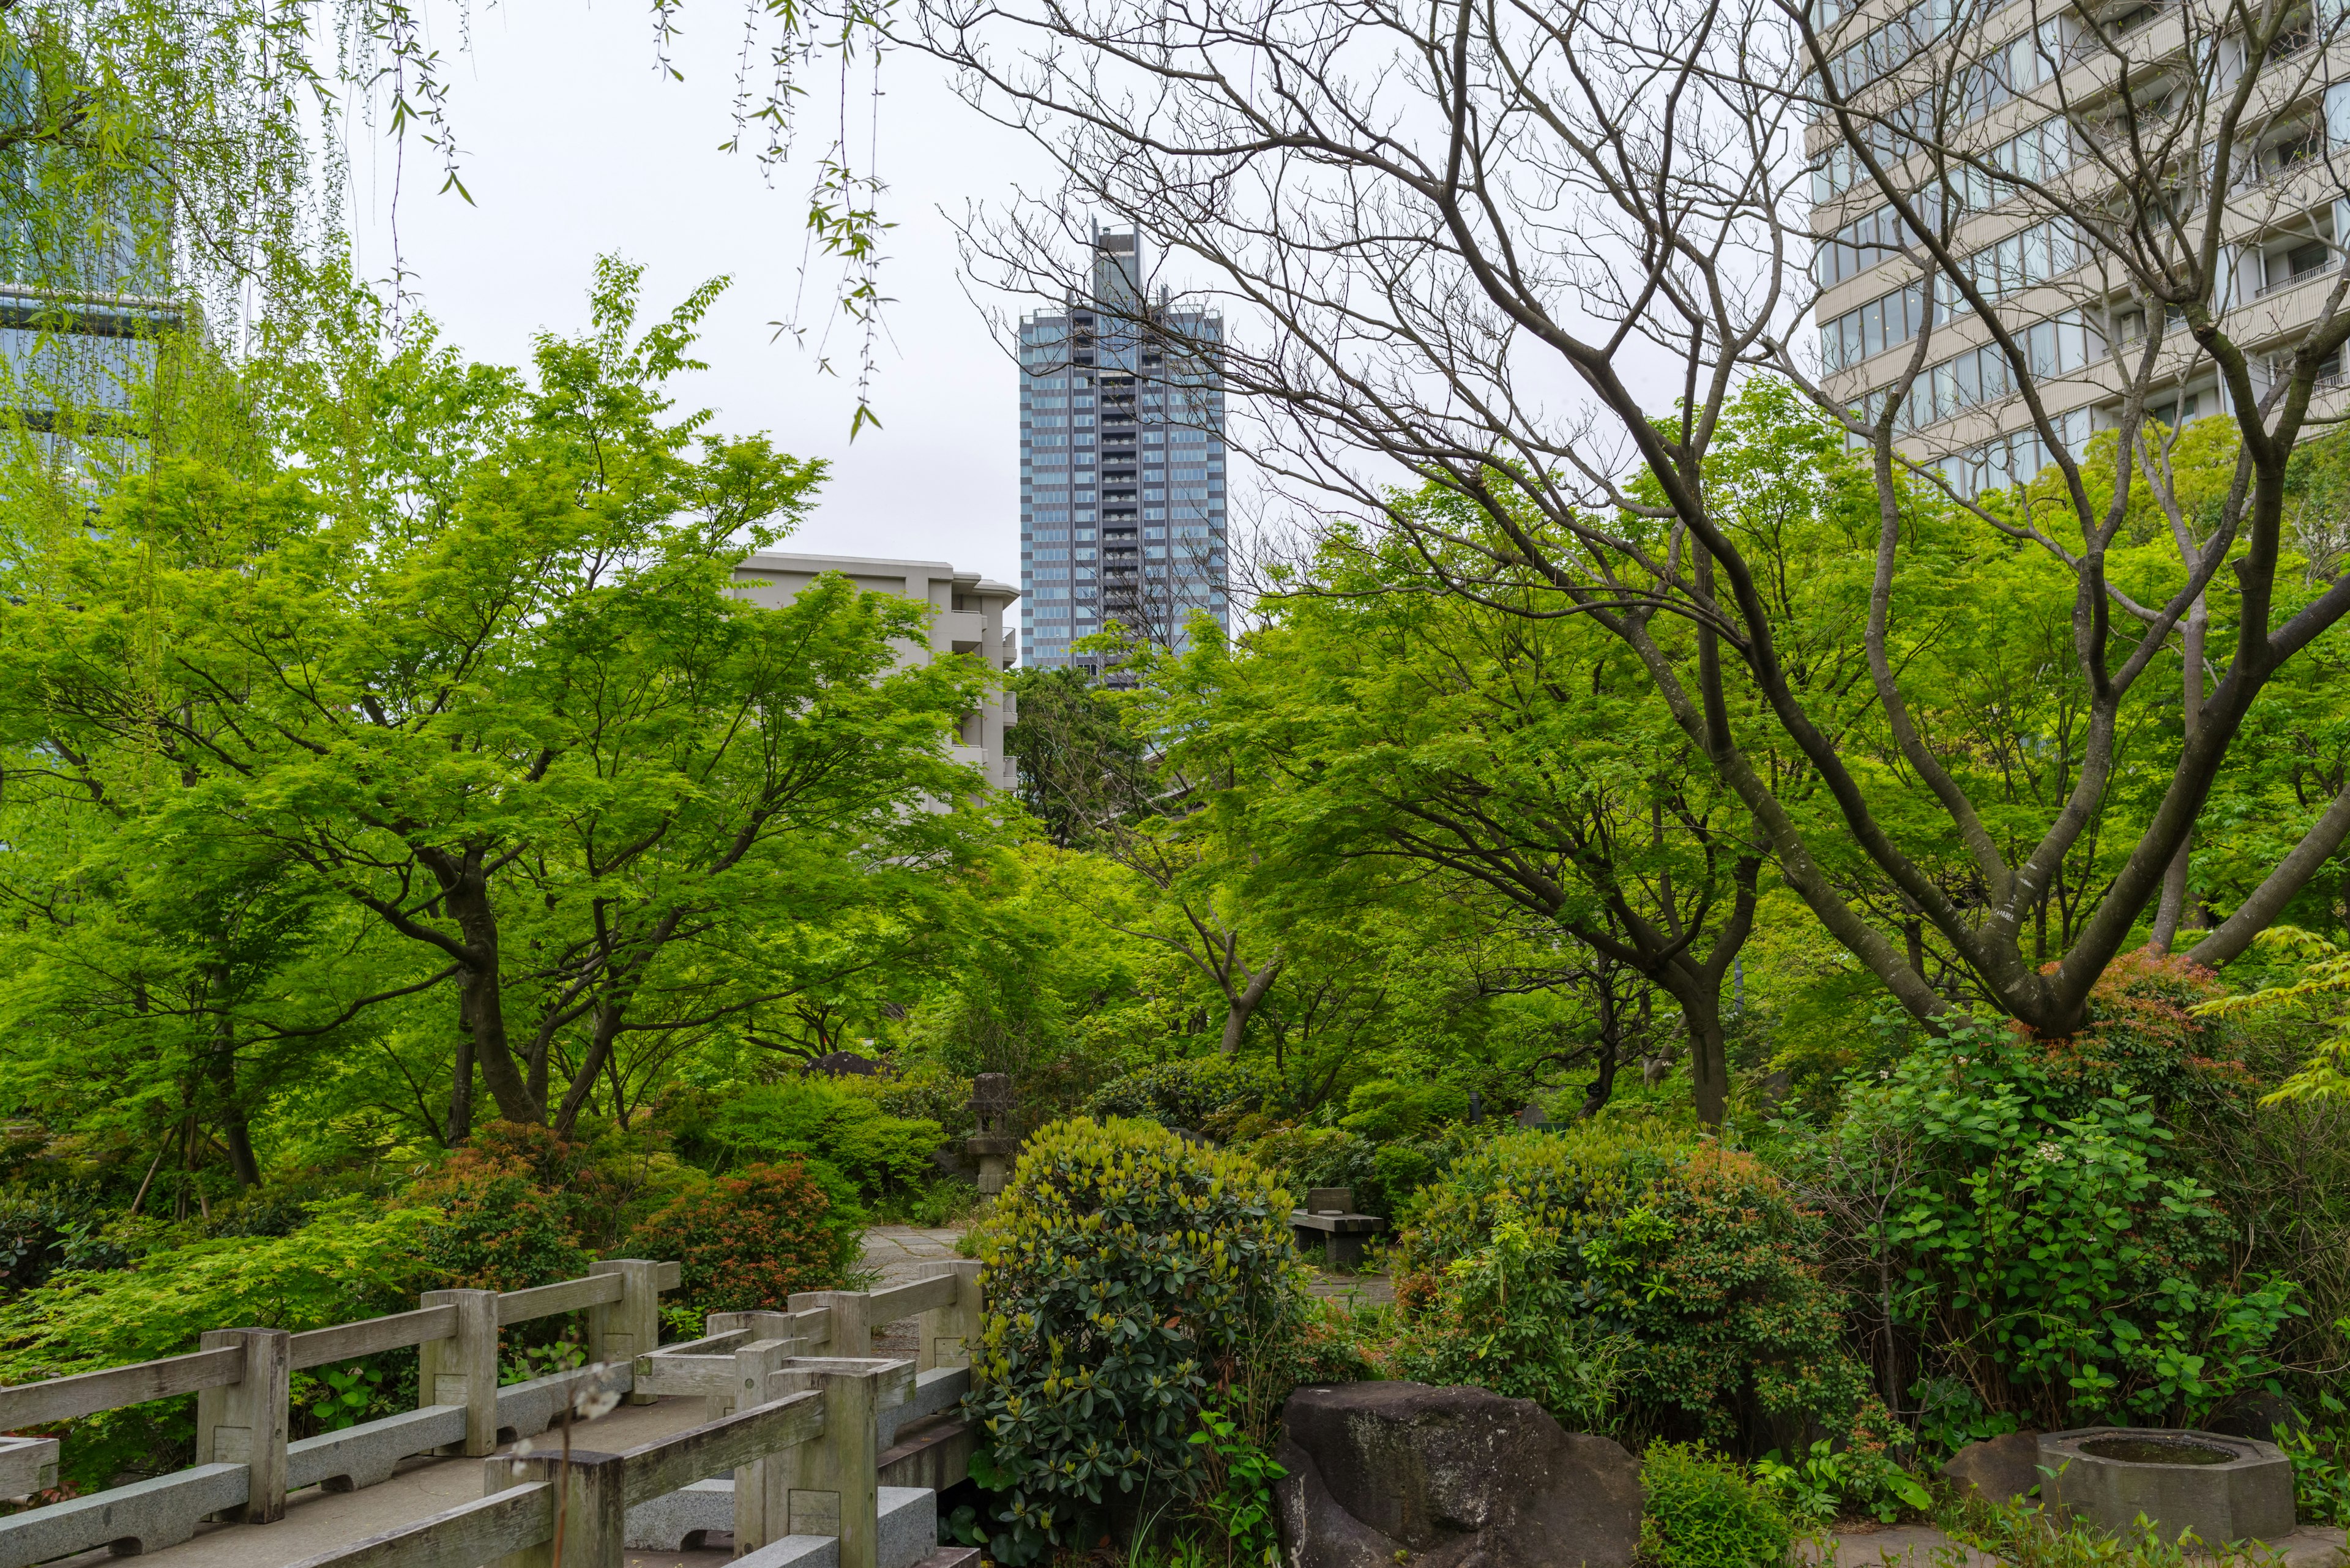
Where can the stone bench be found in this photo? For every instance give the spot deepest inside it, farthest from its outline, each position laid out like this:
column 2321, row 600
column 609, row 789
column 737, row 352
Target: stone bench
column 1326, row 1220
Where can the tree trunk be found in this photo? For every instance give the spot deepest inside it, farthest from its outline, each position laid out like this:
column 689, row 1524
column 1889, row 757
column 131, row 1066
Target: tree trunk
column 1243, row 1003
column 235, row 1132
column 461, row 1080
column 466, row 894
column 583, row 1082
column 2171, row 909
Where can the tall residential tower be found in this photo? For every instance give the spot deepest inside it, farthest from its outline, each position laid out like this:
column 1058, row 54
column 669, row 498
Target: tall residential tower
column 1121, row 463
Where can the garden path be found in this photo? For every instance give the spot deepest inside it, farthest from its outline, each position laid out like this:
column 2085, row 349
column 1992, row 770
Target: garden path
column 1916, row 1546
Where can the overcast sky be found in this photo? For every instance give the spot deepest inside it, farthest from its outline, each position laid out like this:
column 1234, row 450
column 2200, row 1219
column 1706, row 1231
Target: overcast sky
column 574, row 145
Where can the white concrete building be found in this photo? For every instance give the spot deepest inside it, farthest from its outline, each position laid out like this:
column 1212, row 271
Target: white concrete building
column 967, row 613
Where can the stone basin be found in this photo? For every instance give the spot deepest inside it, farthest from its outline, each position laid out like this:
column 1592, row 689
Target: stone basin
column 2223, row 1489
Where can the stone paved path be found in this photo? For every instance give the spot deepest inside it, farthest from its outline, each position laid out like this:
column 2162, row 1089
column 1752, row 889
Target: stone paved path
column 897, row 1252
column 1920, row 1546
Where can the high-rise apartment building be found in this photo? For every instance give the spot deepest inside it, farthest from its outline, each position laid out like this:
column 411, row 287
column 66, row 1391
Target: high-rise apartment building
column 1121, row 463
column 1997, row 115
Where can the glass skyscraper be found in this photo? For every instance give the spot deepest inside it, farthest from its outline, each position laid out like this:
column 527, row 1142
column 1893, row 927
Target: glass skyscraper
column 1121, row 465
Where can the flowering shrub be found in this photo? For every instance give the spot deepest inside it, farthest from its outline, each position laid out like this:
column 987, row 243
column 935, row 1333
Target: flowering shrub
column 744, row 1243
column 1696, row 1255
column 1127, row 1271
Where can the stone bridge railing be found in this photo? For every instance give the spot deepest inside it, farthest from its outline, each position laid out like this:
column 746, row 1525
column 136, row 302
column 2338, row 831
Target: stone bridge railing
column 244, row 1465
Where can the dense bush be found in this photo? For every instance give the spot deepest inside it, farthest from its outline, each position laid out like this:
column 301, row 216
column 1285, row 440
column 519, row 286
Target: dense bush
column 1702, row 1512
column 1697, row 1255
column 499, row 1232
column 1203, row 1095
column 1126, row 1272
column 2053, row 1259
column 844, row 1126
column 746, row 1243
column 1505, row 1317
column 1384, row 1110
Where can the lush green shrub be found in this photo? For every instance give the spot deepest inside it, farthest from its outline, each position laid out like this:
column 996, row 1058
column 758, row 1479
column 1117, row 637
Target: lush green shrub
column 814, row 1118
column 2052, row 1256
column 1127, row 1271
column 1203, row 1094
column 1505, row 1317
column 1695, row 1253
column 1702, row 1512
column 1384, row 1110
column 746, row 1243
column 499, row 1232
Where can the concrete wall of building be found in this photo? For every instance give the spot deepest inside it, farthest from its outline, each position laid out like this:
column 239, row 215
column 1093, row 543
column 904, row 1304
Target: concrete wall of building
column 967, row 617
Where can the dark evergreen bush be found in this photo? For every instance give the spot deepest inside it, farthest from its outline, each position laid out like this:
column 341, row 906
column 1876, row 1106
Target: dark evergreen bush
column 1127, row 1274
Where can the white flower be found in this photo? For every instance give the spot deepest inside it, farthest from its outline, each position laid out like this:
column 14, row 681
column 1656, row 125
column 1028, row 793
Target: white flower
column 2052, row 1153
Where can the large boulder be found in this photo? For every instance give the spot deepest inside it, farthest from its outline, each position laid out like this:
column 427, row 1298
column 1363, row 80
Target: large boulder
column 1388, row 1474
column 1999, row 1469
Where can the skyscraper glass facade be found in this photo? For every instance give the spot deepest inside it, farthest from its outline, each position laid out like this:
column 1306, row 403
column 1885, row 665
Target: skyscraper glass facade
column 1121, row 465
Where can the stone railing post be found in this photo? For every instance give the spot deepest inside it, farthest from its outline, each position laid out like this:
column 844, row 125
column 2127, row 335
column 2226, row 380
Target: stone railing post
column 619, row 1332
column 851, row 1331
column 762, row 1508
column 243, row 1423
column 828, row 1484
column 950, row 1335
column 763, row 1326
column 590, row 1508
column 463, row 1368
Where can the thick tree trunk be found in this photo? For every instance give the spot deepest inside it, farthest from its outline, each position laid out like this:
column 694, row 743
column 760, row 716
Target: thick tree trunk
column 461, row 1080
column 465, row 893
column 235, row 1131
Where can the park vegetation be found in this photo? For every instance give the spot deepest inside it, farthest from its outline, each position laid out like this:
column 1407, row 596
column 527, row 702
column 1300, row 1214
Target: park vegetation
column 1817, row 964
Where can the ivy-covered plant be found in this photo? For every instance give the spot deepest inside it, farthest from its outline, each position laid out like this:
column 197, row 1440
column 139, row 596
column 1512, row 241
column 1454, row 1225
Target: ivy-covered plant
column 1696, row 1255
column 2042, row 1242
column 1128, row 1272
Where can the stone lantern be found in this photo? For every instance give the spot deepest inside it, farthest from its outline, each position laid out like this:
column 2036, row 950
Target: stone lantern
column 993, row 1145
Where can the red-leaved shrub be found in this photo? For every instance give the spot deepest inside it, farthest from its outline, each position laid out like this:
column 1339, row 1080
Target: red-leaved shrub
column 746, row 1242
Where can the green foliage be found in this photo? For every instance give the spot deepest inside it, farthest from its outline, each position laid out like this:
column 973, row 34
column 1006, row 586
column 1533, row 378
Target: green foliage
column 1383, row 1110
column 847, row 1129
column 1506, row 1317
column 2047, row 1240
column 501, row 1233
column 2324, row 972
column 2022, row 1536
column 1701, row 1511
column 746, row 1242
column 1201, row 1093
column 1237, row 1490
column 2320, row 1467
column 1830, row 1483
column 342, row 1266
column 1698, row 1255
column 1126, row 1271
column 477, row 735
